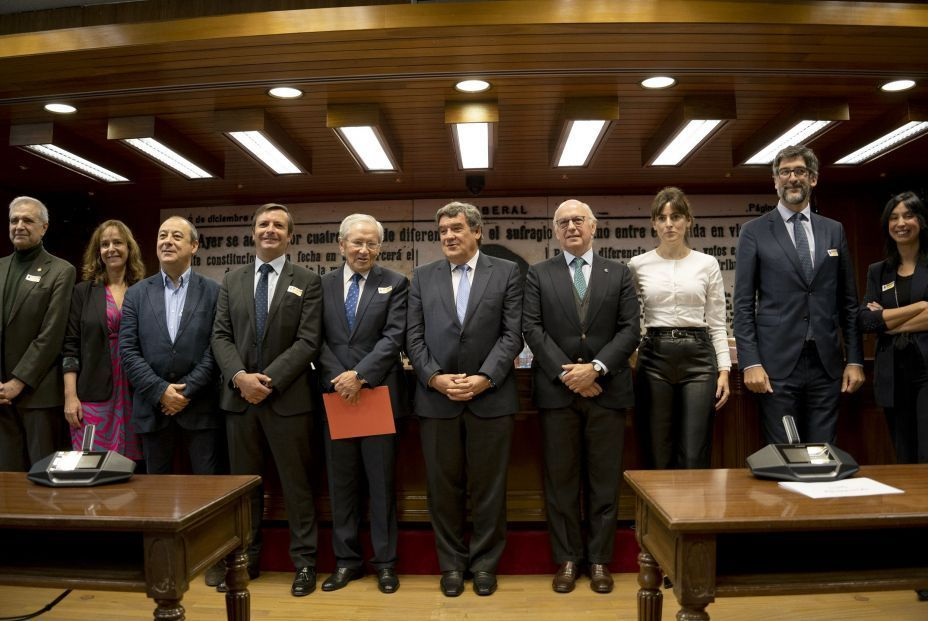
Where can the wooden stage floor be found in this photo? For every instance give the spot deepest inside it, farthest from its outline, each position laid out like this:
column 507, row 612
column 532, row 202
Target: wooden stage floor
column 519, row 598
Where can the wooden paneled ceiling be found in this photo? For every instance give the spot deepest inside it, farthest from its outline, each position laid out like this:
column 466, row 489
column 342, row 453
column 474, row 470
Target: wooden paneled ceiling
column 406, row 58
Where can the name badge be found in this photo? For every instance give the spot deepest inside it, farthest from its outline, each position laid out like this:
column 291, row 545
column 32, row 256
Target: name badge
column 295, row 290
column 385, row 289
column 33, row 278
column 889, row 285
column 832, row 252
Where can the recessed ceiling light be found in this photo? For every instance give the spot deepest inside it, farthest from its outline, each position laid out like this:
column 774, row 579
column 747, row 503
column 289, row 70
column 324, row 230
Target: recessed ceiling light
column 660, row 81
column 285, row 92
column 60, row 108
column 897, row 85
column 472, row 86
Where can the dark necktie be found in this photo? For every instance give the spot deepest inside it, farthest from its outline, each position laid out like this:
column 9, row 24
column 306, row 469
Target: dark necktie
column 351, row 300
column 261, row 300
column 802, row 245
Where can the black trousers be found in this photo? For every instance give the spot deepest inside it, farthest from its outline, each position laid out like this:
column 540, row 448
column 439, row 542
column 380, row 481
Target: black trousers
column 350, row 462
column 463, row 452
column 677, row 379
column 908, row 418
column 29, row 434
column 205, row 449
column 250, row 434
column 809, row 395
column 582, row 443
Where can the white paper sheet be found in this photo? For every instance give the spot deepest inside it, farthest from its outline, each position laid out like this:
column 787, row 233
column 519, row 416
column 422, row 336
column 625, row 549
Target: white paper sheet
column 857, row 486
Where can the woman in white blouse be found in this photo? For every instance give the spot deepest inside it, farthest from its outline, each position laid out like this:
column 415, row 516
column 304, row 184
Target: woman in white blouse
column 683, row 359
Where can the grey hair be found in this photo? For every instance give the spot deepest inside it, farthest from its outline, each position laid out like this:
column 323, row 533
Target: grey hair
column 358, row 218
column 592, row 216
column 798, row 150
column 22, row 200
column 471, row 214
column 194, row 235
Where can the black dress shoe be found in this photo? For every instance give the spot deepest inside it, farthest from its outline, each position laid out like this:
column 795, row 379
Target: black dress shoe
column 566, row 577
column 304, row 582
column 215, row 574
column 341, row 578
column 922, row 595
column 452, row 583
column 253, row 572
column 600, row 578
column 387, row 581
column 484, row 583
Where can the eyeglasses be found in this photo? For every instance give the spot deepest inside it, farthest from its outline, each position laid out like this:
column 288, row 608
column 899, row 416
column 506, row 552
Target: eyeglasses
column 801, row 172
column 563, row 223
column 358, row 245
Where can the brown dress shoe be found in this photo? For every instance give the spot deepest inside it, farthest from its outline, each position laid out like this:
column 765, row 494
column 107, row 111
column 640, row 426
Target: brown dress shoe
column 566, row 577
column 600, row 578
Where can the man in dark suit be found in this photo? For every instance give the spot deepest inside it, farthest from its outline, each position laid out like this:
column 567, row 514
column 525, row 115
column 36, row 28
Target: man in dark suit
column 164, row 343
column 580, row 319
column 36, row 297
column 364, row 322
column 794, row 291
column 462, row 335
column 268, row 330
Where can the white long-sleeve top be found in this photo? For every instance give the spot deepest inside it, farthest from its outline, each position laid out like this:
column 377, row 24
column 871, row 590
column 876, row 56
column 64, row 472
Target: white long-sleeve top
column 683, row 293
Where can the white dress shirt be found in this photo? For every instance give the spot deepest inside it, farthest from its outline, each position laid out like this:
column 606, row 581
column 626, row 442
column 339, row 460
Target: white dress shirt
column 786, row 213
column 277, row 265
column 456, row 274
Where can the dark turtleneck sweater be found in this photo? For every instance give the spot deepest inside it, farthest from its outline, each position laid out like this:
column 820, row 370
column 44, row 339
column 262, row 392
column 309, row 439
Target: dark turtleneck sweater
column 22, row 261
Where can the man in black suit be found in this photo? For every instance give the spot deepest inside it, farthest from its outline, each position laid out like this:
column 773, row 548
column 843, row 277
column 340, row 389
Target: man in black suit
column 36, row 296
column 164, row 343
column 581, row 322
column 268, row 330
column 462, row 335
column 364, row 322
column 794, row 291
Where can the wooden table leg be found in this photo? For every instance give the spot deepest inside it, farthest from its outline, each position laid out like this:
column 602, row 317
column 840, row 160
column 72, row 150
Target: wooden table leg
column 650, row 598
column 693, row 613
column 169, row 610
column 238, row 599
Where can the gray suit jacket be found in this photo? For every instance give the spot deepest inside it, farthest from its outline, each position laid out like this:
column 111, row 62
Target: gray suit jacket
column 33, row 334
column 487, row 343
column 151, row 361
column 291, row 340
column 774, row 303
column 373, row 347
column 556, row 336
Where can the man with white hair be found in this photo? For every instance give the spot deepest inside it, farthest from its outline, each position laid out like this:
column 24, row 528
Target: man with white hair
column 36, row 298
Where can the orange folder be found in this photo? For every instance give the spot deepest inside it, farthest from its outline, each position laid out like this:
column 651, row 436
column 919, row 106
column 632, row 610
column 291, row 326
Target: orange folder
column 372, row 415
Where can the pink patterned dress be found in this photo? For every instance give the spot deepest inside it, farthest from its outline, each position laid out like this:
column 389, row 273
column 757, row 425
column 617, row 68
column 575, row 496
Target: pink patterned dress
column 112, row 417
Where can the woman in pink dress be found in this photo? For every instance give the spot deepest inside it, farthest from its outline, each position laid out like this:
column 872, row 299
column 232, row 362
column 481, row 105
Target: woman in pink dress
column 96, row 391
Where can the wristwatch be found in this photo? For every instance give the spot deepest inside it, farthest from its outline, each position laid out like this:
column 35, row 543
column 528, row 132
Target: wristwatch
column 599, row 369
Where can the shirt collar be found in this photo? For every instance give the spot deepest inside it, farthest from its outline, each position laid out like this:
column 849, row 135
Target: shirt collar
column 347, row 273
column 786, row 213
column 586, row 256
column 472, row 263
column 277, row 264
column 184, row 279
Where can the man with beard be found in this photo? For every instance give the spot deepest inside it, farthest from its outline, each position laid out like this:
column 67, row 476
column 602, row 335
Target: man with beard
column 794, row 289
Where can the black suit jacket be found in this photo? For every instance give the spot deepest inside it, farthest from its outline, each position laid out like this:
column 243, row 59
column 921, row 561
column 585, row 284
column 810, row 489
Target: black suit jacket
column 881, row 288
column 151, row 361
column 487, row 343
column 373, row 347
column 774, row 303
column 291, row 341
column 86, row 342
column 553, row 331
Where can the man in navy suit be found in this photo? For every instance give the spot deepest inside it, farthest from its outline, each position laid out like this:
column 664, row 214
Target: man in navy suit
column 581, row 322
column 463, row 333
column 364, row 325
column 794, row 292
column 164, row 342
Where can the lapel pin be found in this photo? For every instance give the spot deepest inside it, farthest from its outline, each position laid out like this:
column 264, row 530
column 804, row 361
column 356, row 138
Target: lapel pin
column 39, row 269
column 606, row 269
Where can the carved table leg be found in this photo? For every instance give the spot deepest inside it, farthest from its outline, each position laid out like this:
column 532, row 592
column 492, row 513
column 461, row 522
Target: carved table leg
column 695, row 612
column 650, row 597
column 169, row 610
column 238, row 599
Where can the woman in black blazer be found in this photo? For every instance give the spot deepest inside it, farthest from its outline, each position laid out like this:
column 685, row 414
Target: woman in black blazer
column 896, row 309
column 96, row 390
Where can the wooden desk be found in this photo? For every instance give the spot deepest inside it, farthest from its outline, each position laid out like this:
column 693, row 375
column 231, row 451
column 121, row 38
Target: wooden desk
column 151, row 534
column 723, row 533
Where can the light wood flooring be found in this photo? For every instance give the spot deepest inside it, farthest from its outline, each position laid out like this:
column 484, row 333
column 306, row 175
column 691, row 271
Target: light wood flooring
column 520, row 598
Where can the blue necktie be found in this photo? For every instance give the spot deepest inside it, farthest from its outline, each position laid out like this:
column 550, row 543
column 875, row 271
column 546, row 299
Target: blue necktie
column 261, row 301
column 463, row 292
column 351, row 300
column 802, row 245
column 579, row 280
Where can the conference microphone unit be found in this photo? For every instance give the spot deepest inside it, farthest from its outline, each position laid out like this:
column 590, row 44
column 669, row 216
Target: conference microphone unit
column 796, row 461
column 83, row 468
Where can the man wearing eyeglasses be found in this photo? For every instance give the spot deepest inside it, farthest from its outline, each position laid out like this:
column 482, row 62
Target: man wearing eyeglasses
column 580, row 318
column 794, row 291
column 364, row 323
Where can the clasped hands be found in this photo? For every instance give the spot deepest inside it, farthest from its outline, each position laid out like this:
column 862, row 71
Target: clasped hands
column 581, row 378
column 460, row 386
column 10, row 390
column 254, row 387
column 348, row 386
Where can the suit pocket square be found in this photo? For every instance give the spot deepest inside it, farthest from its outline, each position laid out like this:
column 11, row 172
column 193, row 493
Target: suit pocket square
column 385, row 289
column 295, row 290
